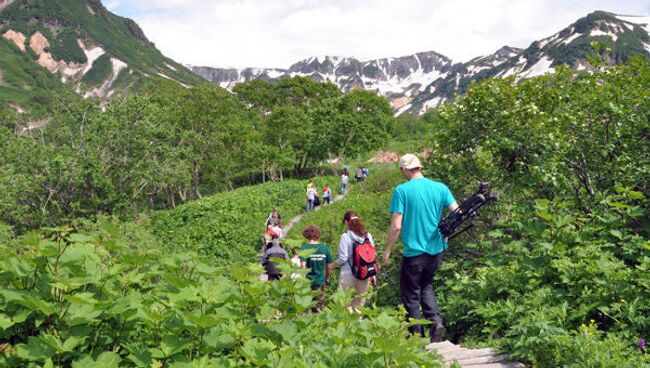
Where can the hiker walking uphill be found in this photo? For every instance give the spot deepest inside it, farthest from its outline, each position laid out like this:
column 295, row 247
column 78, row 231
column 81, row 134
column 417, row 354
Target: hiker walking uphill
column 416, row 208
column 350, row 259
column 344, row 181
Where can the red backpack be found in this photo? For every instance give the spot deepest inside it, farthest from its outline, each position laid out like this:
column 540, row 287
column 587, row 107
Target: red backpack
column 364, row 260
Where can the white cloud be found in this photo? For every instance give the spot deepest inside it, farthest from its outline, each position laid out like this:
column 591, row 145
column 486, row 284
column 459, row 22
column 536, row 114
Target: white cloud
column 277, row 33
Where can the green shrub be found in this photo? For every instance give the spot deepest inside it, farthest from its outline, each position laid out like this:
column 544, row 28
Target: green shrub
column 73, row 300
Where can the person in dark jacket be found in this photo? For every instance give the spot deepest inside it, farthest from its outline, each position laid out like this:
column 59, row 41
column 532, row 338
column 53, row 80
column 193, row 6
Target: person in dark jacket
column 273, row 250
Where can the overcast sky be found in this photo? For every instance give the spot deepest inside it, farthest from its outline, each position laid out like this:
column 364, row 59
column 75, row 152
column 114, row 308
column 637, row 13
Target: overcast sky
column 278, row 33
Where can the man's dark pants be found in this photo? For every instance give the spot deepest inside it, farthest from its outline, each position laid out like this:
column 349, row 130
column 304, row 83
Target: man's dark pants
column 416, row 288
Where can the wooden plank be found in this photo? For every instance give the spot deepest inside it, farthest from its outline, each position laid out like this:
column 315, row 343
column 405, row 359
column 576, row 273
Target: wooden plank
column 468, row 353
column 482, row 360
column 441, row 346
column 495, row 365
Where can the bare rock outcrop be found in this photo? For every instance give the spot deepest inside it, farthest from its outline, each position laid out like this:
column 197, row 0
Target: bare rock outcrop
column 384, row 157
column 15, row 37
column 4, row 4
column 39, row 43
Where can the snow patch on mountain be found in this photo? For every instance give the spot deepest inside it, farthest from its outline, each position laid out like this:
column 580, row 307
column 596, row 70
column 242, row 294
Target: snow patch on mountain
column 541, row 67
column 92, row 55
column 570, row 39
column 549, row 40
column 642, row 21
column 118, row 66
column 598, row 32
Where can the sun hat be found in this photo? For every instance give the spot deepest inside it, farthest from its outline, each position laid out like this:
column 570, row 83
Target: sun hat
column 409, row 161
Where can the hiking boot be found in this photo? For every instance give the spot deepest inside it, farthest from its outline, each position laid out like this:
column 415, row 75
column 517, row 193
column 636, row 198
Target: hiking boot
column 438, row 332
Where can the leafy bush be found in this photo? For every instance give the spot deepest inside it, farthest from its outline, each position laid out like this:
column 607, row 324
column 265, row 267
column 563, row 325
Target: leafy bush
column 570, row 156
column 74, row 300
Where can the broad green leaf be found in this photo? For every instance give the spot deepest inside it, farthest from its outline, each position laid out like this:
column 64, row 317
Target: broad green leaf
column 81, row 314
column 81, row 238
column 617, row 234
column 5, row 321
column 203, row 321
column 28, row 300
column 35, row 350
column 107, row 359
column 73, row 342
column 172, row 345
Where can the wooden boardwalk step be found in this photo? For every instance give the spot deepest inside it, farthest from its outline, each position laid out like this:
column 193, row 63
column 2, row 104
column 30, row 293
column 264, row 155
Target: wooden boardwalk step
column 482, row 360
column 468, row 354
column 471, row 358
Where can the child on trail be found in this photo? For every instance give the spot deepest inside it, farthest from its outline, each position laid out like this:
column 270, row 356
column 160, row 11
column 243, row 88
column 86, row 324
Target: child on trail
column 319, row 263
column 355, row 233
column 273, row 250
column 359, row 174
column 344, row 181
column 327, row 194
column 311, row 197
column 273, row 229
column 274, row 218
column 295, row 261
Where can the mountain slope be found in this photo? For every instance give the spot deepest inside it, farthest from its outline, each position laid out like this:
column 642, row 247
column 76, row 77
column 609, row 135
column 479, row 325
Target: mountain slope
column 89, row 48
column 396, row 78
column 621, row 36
column 24, row 83
column 418, row 82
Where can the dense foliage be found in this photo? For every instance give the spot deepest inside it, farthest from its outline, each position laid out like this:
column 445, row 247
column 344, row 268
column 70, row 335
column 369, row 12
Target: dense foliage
column 171, row 144
column 556, row 274
column 228, row 226
column 74, row 300
column 564, row 277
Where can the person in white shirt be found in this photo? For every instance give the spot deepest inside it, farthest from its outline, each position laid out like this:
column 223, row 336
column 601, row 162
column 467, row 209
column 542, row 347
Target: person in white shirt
column 344, row 181
column 355, row 233
column 311, row 197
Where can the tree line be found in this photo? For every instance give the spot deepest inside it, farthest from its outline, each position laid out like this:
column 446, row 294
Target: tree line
column 169, row 144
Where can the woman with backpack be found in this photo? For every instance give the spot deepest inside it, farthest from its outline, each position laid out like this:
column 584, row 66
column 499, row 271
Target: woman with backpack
column 356, row 258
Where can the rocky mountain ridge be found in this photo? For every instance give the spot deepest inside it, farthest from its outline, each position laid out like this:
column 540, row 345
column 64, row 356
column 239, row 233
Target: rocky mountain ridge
column 81, row 43
column 421, row 81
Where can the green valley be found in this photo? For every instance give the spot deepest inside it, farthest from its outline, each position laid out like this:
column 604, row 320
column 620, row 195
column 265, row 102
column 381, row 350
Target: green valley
column 130, row 231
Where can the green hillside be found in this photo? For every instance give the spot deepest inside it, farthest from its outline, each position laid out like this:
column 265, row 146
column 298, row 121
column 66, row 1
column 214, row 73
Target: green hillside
column 63, row 22
column 26, row 83
column 556, row 274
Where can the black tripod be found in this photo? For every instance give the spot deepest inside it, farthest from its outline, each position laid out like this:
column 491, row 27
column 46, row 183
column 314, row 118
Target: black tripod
column 467, row 210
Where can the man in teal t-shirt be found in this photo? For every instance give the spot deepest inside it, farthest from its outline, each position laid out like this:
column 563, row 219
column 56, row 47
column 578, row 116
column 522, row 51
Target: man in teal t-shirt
column 416, row 208
column 319, row 261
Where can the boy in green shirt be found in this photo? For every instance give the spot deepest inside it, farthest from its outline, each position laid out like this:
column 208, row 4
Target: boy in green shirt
column 319, row 262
